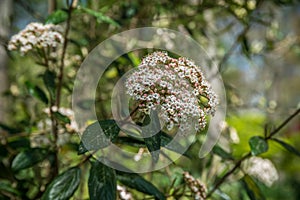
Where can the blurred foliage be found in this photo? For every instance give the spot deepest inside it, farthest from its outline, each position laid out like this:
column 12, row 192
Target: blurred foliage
column 255, row 45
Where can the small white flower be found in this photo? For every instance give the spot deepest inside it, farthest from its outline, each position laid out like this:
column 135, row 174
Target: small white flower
column 170, row 79
column 36, row 35
column 262, row 169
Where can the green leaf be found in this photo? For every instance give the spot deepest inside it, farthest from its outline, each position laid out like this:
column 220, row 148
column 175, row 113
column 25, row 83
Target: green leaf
column 102, row 182
column 10, row 129
column 129, row 141
column 57, row 17
column 134, row 59
column 21, row 143
column 49, row 80
column 36, row 92
column 93, row 138
column 61, row 117
column 245, row 47
column 63, row 186
column 99, row 16
column 152, row 142
column 137, row 182
column 81, row 149
column 221, row 152
column 5, row 185
column 252, row 189
column 258, row 145
column 28, row 158
column 86, row 104
column 165, row 139
column 287, row 146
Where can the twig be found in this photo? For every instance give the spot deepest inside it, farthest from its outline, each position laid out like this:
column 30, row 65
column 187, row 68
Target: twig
column 58, row 94
column 283, row 124
column 62, row 60
column 239, row 162
column 221, row 181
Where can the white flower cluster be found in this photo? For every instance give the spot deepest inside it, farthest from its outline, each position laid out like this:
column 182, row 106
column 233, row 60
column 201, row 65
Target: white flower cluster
column 197, row 188
column 73, row 126
column 177, row 86
column 123, row 193
column 262, row 169
column 36, row 35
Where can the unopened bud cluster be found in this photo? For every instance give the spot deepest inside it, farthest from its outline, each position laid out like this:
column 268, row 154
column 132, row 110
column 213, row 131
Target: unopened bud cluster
column 177, row 86
column 36, row 35
column 197, row 188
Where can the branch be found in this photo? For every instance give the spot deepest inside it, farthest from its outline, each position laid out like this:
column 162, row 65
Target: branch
column 239, row 162
column 62, row 61
column 285, row 122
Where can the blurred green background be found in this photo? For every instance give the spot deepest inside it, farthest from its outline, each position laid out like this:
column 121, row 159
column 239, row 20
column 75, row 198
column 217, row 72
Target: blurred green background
column 255, row 44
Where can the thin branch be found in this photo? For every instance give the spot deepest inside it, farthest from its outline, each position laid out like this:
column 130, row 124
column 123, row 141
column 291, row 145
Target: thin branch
column 239, row 162
column 285, row 122
column 221, row 181
column 62, row 61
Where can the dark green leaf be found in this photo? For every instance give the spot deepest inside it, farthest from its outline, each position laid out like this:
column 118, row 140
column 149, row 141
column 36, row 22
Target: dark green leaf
column 102, row 182
column 36, row 92
column 287, row 146
column 20, row 143
column 86, row 104
column 7, row 186
column 165, row 140
column 63, row 186
column 129, row 141
column 9, row 128
column 81, row 149
column 28, row 158
column 252, row 189
column 221, row 152
column 93, row 138
column 49, row 80
column 57, row 17
column 258, row 145
column 152, row 142
column 245, row 46
column 99, row 16
column 137, row 182
column 61, row 117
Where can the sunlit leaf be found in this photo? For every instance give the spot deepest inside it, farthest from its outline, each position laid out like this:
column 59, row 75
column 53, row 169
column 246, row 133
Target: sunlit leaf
column 258, row 145
column 252, row 189
column 28, row 158
column 134, row 59
column 57, row 17
column 102, row 182
column 99, row 16
column 63, row 186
